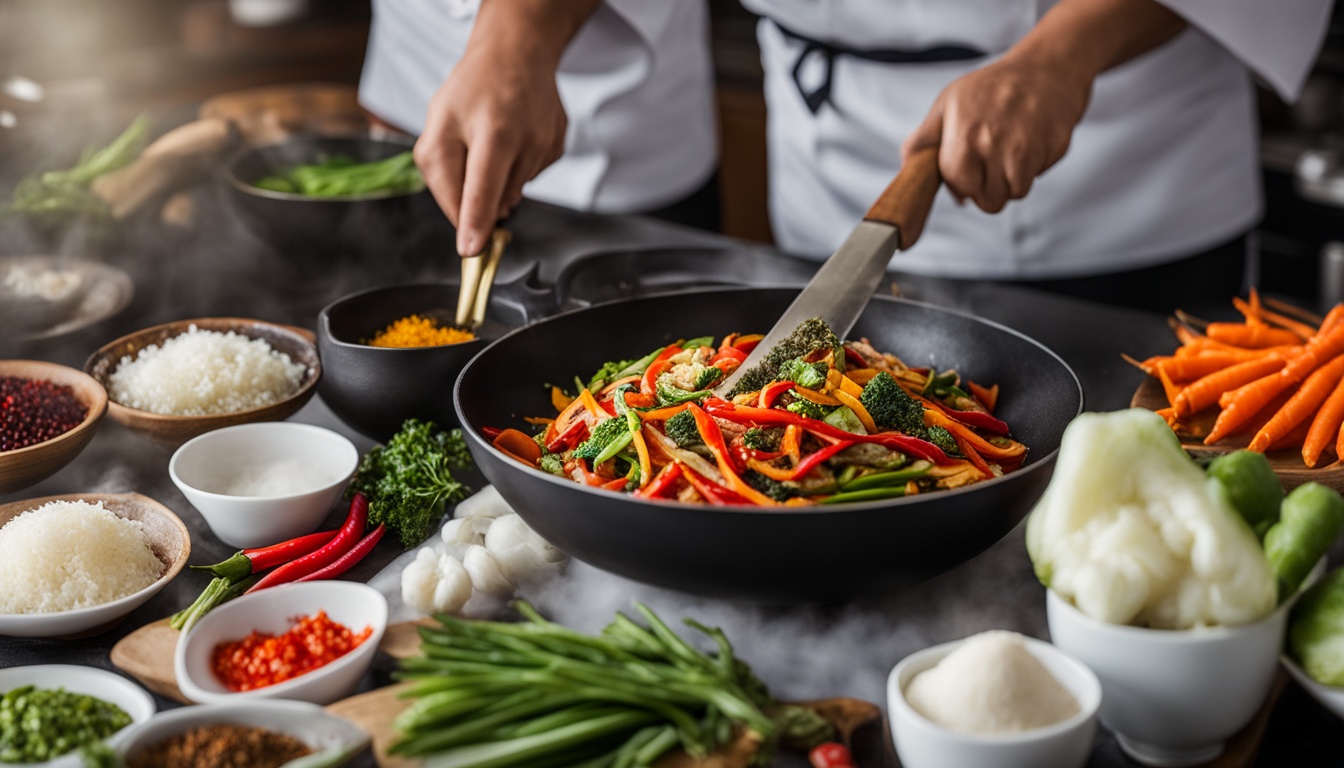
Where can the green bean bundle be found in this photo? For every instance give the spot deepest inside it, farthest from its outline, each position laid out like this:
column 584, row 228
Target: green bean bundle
column 496, row 695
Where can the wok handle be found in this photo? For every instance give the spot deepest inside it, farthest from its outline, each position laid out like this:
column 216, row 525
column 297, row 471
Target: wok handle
column 906, row 201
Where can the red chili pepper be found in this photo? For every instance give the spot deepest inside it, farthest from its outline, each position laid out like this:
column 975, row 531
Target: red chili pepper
column 347, row 560
column 814, row 459
column 249, row 561
column 854, row 359
column 491, row 432
column 574, row 434
column 661, row 483
column 831, row 754
column 914, row 446
column 773, row 390
column 977, row 419
column 712, row 492
column 345, row 538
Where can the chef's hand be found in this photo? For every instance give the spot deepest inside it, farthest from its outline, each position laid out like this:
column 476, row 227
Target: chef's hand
column 1001, row 126
column 497, row 121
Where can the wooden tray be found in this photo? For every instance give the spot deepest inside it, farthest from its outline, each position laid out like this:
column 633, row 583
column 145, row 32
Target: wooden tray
column 1287, row 463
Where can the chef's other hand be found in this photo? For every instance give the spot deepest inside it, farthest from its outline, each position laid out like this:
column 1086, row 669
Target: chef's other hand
column 1001, row 126
column 497, row 121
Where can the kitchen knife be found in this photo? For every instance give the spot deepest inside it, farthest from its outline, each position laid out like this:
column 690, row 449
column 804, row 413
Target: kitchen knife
column 841, row 288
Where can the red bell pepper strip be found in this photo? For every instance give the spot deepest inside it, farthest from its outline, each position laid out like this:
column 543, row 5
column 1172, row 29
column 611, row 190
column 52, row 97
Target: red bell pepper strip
column 831, row 754
column 713, row 493
column 648, row 384
column 713, row 436
column 921, row 449
column 814, row 459
column 572, row 436
column 748, row 343
column 641, row 400
column 856, row 360
column 730, row 353
column 662, row 482
column 977, row 419
column 315, row 561
column 346, row 561
column 772, row 391
column 491, row 432
column 246, row 562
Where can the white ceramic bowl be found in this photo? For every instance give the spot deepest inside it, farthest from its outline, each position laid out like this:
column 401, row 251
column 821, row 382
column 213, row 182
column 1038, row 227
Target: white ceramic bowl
column 921, row 743
column 108, row 686
column 166, row 535
column 272, row 610
column 1329, row 696
column 1173, row 697
column 306, row 722
column 205, row 466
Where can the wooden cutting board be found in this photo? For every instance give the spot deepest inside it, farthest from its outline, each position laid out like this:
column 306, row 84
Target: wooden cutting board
column 1287, row 463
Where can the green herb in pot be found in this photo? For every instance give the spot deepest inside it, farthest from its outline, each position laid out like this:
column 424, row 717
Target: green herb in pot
column 409, row 482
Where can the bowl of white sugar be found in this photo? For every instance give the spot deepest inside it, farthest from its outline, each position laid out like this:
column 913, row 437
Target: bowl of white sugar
column 993, row 700
column 260, row 484
column 178, row 380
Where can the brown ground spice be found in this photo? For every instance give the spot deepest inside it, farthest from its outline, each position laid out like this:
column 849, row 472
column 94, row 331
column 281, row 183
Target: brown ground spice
column 221, row 746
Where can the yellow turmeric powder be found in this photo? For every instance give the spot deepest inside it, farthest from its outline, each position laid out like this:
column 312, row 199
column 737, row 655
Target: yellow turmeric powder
column 417, row 331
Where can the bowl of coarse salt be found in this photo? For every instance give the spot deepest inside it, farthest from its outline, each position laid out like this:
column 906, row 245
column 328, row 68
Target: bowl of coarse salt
column 993, row 700
column 172, row 382
column 260, row 484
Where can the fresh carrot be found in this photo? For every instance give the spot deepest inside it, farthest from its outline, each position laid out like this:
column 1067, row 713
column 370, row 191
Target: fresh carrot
column 1322, row 348
column 1169, row 387
column 1192, row 368
column 1250, row 336
column 1325, row 426
column 1242, row 403
column 1301, row 405
column 1300, row 329
column 1332, row 319
column 1206, row 391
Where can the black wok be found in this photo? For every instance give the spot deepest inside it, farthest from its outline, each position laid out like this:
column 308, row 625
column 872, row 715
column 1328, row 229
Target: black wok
column 812, row 554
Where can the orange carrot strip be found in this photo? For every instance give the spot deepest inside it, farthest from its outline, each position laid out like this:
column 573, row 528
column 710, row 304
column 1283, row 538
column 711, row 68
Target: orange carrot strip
column 661, row 414
column 559, row 399
column 518, row 444
column 1303, row 404
column 1300, row 329
column 981, row 445
column 791, row 444
column 591, row 404
column 854, row 405
column 988, row 396
column 862, row 376
column 1240, row 404
column 1324, row 427
column 1207, row 390
column 975, row 458
column 645, row 463
column 1250, row 336
column 1322, row 348
column 1192, row 368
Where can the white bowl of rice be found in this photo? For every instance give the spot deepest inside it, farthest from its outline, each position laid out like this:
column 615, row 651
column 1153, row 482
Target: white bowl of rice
column 178, row 380
column 76, row 564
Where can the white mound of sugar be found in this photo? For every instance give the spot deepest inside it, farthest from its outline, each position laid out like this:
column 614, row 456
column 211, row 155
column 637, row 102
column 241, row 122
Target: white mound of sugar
column 201, row 373
column 66, row 555
column 991, row 684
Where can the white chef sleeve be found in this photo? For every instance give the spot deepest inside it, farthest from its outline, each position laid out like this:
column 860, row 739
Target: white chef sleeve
column 1278, row 39
column 649, row 18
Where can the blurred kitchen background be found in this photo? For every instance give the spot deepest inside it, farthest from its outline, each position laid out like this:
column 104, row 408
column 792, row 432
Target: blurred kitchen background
column 76, row 71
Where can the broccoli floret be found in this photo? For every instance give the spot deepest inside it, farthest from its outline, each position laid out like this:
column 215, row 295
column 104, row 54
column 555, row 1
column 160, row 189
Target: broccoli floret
column 551, row 462
column 602, row 436
column 810, row 335
column 892, row 407
column 810, row 375
column 670, row 394
column 707, row 377
column 683, row 430
column 940, row 437
column 769, row 486
column 809, row 409
column 760, row 439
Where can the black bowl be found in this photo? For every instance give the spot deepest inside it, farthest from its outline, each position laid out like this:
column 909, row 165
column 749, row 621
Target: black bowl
column 375, row 389
column 812, row 554
column 294, row 222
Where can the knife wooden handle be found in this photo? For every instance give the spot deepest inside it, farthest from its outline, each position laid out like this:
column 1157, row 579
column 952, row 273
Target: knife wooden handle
column 906, row 201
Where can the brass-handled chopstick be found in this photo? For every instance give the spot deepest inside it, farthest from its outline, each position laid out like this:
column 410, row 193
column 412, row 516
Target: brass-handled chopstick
column 478, row 277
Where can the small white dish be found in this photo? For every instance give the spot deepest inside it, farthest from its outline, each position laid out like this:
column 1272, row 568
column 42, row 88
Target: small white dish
column 1329, row 696
column 205, row 467
column 306, row 722
column 168, row 538
column 921, row 743
column 273, row 611
column 108, row 686
column 1173, row 697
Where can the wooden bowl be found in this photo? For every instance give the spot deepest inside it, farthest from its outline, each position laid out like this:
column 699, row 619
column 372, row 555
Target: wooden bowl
column 26, row 466
column 167, row 537
column 173, row 431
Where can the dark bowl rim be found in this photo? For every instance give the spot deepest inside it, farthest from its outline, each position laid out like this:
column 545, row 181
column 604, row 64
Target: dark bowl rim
column 306, row 389
column 863, row 506
column 231, row 169
column 96, row 407
column 324, row 333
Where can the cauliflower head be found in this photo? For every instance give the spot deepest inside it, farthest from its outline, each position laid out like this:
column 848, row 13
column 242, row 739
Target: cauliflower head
column 1133, row 532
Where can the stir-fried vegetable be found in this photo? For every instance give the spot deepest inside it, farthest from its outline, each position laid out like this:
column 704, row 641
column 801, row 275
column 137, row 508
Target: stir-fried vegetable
column 54, row 197
column 537, row 693
column 343, row 177
column 822, row 422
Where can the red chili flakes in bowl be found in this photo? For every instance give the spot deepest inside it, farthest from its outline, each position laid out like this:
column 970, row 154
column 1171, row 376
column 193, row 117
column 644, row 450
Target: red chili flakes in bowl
column 34, row 411
column 262, row 659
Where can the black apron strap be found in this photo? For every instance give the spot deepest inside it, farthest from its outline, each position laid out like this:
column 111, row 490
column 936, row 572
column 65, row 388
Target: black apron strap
column 820, row 94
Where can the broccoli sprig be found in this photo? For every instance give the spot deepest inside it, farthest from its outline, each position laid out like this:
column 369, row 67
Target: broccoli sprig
column 810, row 375
column 683, row 430
column 760, row 439
column 811, row 335
column 603, row 435
column 769, row 486
column 892, row 407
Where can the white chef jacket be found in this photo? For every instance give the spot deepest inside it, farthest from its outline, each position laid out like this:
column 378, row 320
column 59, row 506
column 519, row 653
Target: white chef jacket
column 1163, row 165
column 636, row 83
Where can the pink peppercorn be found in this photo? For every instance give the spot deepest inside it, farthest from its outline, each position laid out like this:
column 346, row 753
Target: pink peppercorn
column 35, row 410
